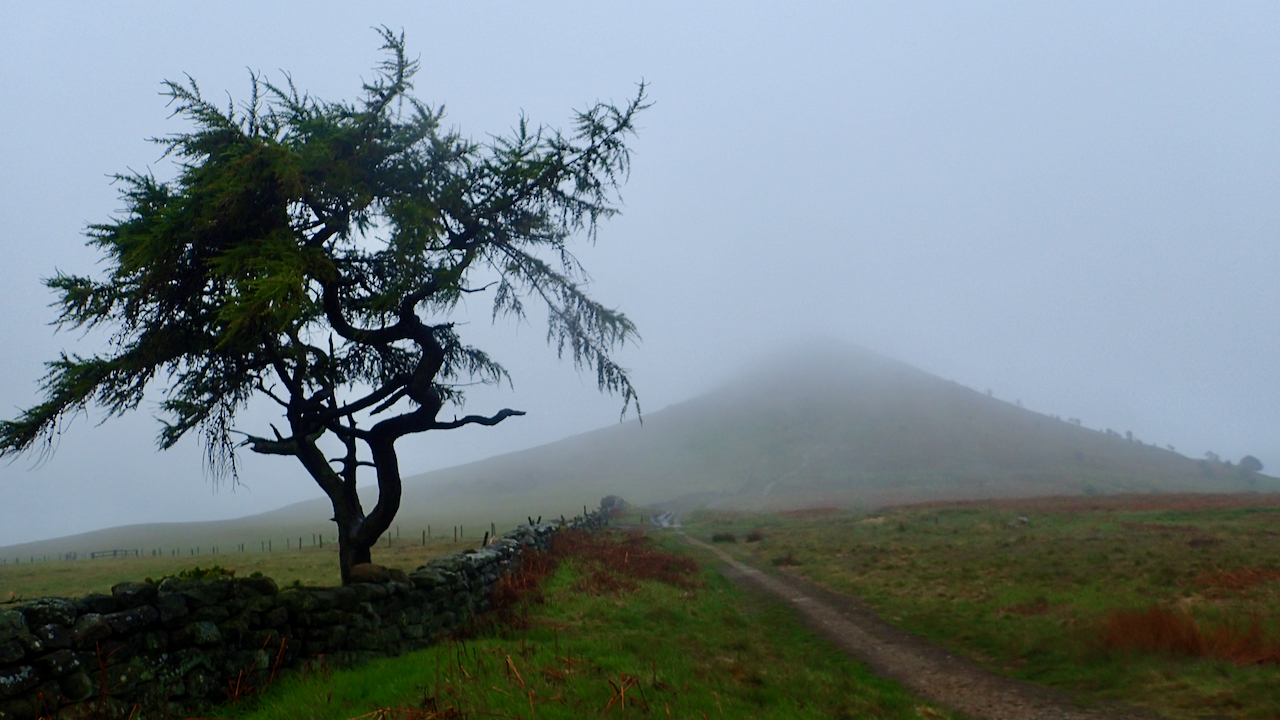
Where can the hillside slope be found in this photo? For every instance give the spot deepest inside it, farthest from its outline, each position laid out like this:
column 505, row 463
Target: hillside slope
column 832, row 425
column 818, row 426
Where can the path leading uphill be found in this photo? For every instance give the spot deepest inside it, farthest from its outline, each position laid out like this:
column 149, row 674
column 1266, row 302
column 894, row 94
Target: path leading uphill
column 927, row 670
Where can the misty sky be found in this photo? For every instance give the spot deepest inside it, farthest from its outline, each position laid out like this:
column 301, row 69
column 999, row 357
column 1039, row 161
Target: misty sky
column 1075, row 206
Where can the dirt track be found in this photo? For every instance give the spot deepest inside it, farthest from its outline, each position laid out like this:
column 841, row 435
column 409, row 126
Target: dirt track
column 927, row 670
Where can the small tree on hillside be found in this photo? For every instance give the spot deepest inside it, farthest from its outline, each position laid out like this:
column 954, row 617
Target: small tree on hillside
column 312, row 254
column 1250, row 465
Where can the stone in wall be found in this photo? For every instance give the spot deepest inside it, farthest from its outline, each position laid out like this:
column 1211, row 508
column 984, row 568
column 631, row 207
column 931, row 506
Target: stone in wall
column 179, row 643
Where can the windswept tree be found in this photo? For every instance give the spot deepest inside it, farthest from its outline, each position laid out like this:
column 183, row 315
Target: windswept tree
column 312, row 254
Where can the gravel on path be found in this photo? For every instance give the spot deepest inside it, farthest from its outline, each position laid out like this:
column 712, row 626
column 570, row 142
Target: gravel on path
column 931, row 672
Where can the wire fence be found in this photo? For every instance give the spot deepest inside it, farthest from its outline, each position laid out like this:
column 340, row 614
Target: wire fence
column 287, row 543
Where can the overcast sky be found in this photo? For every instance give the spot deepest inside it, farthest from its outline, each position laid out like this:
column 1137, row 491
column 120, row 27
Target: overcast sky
column 1073, row 206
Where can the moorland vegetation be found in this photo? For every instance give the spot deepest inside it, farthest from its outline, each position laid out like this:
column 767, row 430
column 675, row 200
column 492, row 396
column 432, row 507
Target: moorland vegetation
column 1166, row 601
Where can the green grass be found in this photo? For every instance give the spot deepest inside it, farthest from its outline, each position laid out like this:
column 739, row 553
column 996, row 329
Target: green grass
column 310, row 566
column 712, row 651
column 1031, row 599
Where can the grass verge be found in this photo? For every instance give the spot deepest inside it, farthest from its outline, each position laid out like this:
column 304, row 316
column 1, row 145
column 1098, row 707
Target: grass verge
column 619, row 628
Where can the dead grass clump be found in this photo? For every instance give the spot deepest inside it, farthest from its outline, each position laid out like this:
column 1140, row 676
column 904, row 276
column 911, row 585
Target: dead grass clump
column 522, row 584
column 629, row 557
column 1161, row 629
column 724, row 537
column 615, row 564
column 601, row 582
column 755, row 536
column 787, row 560
column 1153, row 629
column 1237, row 580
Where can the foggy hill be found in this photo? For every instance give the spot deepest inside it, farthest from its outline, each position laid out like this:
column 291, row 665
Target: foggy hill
column 819, row 425
column 829, row 424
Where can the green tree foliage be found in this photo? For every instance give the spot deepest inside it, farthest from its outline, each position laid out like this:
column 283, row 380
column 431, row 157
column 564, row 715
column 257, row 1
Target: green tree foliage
column 312, row 253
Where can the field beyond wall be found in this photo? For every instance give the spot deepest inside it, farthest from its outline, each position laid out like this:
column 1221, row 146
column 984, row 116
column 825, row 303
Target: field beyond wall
column 308, row 566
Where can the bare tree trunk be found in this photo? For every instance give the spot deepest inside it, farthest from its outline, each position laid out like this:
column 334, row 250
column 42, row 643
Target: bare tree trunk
column 350, row 553
column 354, row 543
column 387, row 466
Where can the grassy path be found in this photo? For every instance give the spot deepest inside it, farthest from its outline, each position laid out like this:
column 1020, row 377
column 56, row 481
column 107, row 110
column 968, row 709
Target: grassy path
column 952, row 682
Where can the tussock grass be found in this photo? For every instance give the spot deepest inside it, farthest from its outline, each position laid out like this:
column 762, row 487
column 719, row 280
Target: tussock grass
column 1175, row 631
column 1172, row 602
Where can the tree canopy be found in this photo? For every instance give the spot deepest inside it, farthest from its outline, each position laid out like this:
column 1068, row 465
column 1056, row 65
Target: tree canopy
column 1250, row 464
column 313, row 253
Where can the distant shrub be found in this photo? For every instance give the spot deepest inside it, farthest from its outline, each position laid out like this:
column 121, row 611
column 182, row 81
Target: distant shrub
column 755, row 536
column 610, row 505
column 786, row 560
column 724, row 537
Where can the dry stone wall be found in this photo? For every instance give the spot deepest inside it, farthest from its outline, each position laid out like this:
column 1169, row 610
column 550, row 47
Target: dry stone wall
column 183, row 644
